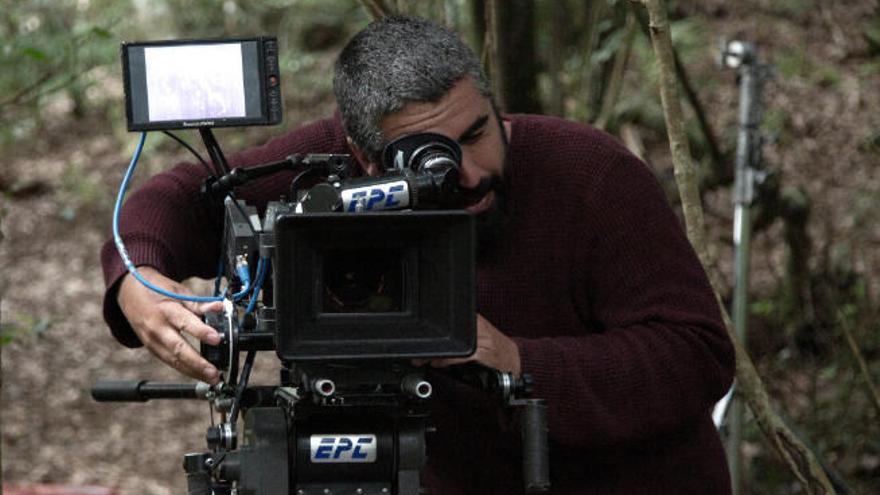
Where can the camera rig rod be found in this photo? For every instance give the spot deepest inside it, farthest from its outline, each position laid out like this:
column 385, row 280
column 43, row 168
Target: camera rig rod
column 316, row 163
column 143, row 390
column 214, row 150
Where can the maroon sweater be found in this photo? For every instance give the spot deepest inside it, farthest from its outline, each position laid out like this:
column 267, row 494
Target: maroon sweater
column 595, row 281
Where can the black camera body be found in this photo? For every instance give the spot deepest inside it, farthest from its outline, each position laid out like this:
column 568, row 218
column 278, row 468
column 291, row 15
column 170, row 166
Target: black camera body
column 362, row 268
column 354, row 295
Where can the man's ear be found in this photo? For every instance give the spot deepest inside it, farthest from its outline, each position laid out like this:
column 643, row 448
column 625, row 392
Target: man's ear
column 367, row 166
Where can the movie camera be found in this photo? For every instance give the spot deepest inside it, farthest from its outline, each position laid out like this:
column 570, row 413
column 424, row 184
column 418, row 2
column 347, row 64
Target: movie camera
column 348, row 282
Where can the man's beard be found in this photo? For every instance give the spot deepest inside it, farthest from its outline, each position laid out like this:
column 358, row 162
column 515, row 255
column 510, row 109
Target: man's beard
column 493, row 222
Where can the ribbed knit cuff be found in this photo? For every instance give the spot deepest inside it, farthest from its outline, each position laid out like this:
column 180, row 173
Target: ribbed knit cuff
column 536, row 362
column 143, row 252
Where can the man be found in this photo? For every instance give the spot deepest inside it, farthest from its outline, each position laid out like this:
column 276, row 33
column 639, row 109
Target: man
column 585, row 279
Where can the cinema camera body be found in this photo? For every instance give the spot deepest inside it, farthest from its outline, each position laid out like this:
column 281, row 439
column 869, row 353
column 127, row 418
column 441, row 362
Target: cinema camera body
column 353, row 279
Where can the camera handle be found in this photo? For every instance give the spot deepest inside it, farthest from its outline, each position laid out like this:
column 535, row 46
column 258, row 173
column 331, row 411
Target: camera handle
column 320, row 164
column 530, row 414
column 144, row 390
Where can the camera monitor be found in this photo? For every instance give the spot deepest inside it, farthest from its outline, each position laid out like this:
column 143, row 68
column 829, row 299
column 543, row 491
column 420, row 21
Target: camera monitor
column 201, row 83
column 374, row 285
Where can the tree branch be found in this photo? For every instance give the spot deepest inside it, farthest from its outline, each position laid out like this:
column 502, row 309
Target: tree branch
column 376, row 8
column 722, row 174
column 617, row 70
column 860, row 359
column 798, row 458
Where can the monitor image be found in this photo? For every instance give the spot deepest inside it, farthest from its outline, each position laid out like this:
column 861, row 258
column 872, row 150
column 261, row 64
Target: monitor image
column 201, row 83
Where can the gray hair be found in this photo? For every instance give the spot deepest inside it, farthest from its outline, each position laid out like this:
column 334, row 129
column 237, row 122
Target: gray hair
column 394, row 61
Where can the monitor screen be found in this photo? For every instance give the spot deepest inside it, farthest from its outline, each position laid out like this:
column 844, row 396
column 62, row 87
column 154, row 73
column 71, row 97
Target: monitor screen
column 183, row 84
column 194, row 82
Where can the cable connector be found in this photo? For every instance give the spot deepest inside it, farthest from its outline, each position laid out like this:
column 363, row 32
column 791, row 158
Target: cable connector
column 241, row 268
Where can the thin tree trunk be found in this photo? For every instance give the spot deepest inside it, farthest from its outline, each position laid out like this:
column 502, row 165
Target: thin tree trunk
column 2, row 289
column 798, row 458
column 722, row 172
column 477, row 31
column 555, row 57
column 863, row 367
column 597, row 10
column 451, row 14
column 517, row 58
column 491, row 60
column 612, row 93
column 376, row 8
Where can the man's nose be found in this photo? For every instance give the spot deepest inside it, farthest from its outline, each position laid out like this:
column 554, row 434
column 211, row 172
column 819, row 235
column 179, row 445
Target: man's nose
column 470, row 176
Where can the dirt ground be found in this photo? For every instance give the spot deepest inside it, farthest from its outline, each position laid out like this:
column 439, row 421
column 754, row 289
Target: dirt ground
column 53, row 432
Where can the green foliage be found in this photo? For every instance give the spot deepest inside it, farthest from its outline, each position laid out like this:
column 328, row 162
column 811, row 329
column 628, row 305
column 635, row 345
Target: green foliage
column 50, row 48
column 763, row 307
column 61, row 58
column 777, row 123
column 796, row 9
column 871, row 35
column 24, row 326
column 81, row 190
column 796, row 63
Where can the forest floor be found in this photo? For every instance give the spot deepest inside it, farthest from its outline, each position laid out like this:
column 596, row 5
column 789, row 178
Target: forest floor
column 57, row 210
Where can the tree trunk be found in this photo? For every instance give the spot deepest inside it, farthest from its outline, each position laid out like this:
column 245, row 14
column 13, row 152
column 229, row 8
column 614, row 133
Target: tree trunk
column 556, row 101
column 596, row 12
column 477, row 31
column 798, row 458
column 2, row 289
column 451, row 14
column 377, row 8
column 491, row 57
column 615, row 82
column 517, row 56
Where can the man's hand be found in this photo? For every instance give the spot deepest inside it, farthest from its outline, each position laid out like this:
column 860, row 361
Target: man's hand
column 159, row 321
column 494, row 349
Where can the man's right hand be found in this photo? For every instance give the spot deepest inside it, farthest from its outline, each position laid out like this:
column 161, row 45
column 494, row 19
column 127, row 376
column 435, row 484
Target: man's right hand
column 159, row 321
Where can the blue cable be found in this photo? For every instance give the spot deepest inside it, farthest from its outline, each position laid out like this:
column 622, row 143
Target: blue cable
column 241, row 268
column 262, row 270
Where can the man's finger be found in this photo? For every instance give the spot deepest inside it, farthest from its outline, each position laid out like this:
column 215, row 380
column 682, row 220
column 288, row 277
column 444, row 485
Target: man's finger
column 193, row 325
column 446, row 362
column 200, row 308
column 183, row 320
column 211, row 307
column 175, row 351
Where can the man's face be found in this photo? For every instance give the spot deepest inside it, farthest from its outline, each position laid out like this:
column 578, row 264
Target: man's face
column 466, row 116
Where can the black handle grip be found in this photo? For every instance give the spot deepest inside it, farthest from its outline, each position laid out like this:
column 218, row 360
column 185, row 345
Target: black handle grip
column 533, row 428
column 118, row 391
column 141, row 391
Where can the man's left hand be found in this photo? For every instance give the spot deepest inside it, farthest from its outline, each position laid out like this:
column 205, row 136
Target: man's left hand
column 494, row 349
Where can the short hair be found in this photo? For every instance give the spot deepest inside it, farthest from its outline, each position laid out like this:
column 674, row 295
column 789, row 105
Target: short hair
column 394, row 61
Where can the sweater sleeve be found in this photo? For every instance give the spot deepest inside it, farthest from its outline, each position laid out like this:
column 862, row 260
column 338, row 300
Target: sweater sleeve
column 653, row 355
column 169, row 225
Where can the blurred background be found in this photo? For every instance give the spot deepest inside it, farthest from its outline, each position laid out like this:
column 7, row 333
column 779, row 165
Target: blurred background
column 815, row 269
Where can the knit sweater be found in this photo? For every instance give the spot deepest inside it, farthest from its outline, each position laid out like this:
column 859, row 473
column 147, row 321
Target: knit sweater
column 594, row 280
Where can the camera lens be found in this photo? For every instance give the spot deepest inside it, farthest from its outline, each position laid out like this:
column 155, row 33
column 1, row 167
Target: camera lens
column 353, row 285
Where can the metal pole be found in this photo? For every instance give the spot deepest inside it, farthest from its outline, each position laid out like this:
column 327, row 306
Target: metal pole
column 742, row 56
